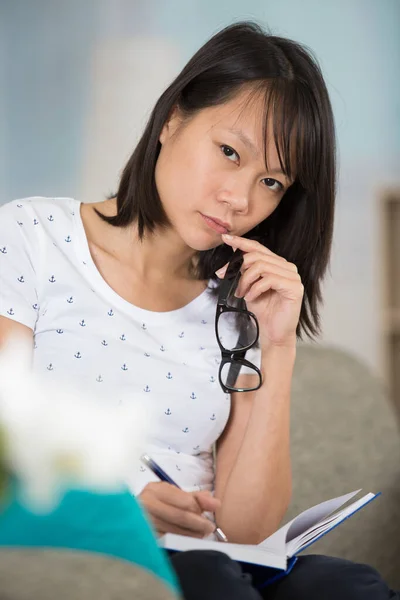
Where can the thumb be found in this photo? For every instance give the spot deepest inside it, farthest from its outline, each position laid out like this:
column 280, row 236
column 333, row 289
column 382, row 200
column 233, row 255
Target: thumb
column 206, row 501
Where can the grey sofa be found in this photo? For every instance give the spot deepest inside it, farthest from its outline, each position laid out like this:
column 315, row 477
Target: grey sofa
column 345, row 436
column 36, row 574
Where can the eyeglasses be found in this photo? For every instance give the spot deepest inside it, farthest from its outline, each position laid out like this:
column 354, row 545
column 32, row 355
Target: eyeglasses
column 232, row 316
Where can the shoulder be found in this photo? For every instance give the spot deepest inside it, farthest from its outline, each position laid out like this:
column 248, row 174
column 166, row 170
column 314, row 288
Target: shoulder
column 33, row 216
column 36, row 206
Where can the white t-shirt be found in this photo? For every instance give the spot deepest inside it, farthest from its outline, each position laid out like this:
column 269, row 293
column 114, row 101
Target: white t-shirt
column 85, row 333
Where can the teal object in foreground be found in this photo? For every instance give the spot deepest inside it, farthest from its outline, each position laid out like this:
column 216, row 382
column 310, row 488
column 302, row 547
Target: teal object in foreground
column 112, row 524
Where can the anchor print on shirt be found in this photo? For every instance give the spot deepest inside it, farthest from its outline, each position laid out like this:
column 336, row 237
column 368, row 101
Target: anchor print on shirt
column 196, row 447
column 124, row 367
column 50, row 218
column 59, row 330
column 78, row 355
column 186, row 430
column 20, row 223
column 110, row 312
column 19, row 205
column 99, row 379
column 213, row 417
column 142, row 468
column 35, row 306
column 168, row 412
column 193, row 396
column 104, row 343
column 144, row 326
column 168, row 375
column 70, row 300
column 212, row 379
column 52, row 279
column 82, row 323
column 203, row 322
column 146, row 389
column 68, row 239
column 50, row 367
column 178, row 468
column 21, row 279
column 146, row 354
column 11, row 312
column 122, row 338
column 35, row 222
column 3, row 250
column 162, row 348
column 182, row 334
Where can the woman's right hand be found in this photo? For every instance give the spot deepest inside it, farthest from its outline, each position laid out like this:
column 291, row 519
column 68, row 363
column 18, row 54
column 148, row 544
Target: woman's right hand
column 174, row 511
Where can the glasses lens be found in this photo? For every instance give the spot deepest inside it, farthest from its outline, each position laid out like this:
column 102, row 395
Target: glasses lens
column 236, row 330
column 230, row 372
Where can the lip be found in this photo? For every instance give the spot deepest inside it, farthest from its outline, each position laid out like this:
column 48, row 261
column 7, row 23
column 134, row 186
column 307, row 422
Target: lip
column 216, row 224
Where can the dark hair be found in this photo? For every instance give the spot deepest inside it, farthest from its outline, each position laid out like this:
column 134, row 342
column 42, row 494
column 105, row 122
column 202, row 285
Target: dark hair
column 300, row 229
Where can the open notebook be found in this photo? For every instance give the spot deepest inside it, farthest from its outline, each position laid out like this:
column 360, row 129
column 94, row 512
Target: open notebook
column 277, row 550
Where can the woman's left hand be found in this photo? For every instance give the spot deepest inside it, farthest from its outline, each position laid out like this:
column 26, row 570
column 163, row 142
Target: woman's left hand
column 272, row 289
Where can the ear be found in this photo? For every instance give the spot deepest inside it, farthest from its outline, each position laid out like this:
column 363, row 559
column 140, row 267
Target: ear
column 171, row 125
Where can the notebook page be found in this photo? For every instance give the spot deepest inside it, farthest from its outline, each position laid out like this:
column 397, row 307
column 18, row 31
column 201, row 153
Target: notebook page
column 313, row 533
column 276, row 542
column 314, row 515
column 241, row 552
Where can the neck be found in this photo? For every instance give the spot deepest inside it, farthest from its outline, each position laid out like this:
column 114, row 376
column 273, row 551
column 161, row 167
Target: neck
column 159, row 255
column 162, row 254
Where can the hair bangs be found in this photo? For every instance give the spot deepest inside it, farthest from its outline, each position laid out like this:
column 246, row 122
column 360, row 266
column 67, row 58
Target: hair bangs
column 290, row 117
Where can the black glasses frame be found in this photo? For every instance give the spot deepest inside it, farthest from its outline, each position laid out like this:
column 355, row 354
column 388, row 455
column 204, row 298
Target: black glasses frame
column 236, row 357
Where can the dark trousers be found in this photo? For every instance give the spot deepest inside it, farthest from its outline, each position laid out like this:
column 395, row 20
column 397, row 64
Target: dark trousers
column 210, row 575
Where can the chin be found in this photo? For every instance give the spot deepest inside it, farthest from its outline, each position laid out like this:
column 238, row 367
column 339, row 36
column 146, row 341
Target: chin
column 201, row 241
column 196, row 235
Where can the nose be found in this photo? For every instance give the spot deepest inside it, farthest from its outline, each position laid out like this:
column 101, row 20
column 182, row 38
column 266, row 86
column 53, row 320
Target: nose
column 236, row 193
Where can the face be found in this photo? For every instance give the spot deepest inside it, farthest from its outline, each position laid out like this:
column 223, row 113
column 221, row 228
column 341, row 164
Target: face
column 211, row 170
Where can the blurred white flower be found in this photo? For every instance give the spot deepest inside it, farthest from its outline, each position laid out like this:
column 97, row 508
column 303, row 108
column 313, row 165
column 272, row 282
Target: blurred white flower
column 59, row 438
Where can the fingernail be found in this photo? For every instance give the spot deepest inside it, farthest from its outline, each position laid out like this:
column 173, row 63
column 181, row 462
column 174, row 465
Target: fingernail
column 220, row 271
column 227, row 236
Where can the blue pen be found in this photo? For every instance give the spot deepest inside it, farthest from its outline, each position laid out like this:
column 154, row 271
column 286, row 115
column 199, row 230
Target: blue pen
column 161, row 474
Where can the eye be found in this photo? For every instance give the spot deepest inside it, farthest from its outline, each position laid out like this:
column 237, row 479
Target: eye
column 273, row 184
column 229, row 152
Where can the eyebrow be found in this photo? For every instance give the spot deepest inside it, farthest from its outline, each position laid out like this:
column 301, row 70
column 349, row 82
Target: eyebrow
column 244, row 138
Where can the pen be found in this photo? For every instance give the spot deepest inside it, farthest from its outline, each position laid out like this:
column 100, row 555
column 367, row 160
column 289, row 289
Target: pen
column 161, row 474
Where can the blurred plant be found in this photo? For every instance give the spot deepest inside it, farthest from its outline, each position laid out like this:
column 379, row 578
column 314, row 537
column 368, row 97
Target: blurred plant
column 53, row 437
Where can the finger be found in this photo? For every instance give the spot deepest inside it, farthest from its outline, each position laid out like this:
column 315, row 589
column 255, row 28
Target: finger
column 163, row 527
column 245, row 244
column 181, row 518
column 251, row 257
column 207, row 502
column 259, row 270
column 172, row 495
column 290, row 289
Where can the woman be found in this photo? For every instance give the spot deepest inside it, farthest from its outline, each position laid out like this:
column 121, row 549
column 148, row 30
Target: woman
column 120, row 295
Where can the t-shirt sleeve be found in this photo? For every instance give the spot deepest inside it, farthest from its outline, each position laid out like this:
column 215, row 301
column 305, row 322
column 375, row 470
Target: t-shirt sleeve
column 19, row 258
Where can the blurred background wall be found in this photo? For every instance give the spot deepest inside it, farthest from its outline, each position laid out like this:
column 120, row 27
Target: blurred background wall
column 79, row 78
